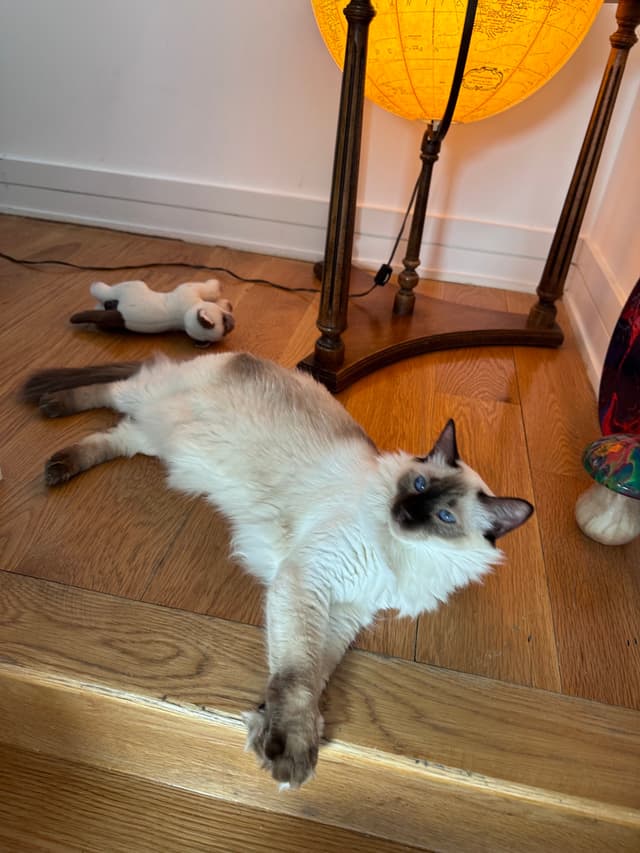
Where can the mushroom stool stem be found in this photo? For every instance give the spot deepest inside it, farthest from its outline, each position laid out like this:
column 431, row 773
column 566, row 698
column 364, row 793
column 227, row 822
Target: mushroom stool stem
column 608, row 517
column 610, row 511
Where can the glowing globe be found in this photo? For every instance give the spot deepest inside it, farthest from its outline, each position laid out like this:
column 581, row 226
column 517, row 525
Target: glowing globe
column 517, row 45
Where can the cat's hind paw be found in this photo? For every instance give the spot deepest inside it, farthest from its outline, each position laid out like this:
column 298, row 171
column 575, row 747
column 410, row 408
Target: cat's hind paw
column 62, row 466
column 55, row 404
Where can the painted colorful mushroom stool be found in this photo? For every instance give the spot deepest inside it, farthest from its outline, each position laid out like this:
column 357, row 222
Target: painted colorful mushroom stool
column 609, row 511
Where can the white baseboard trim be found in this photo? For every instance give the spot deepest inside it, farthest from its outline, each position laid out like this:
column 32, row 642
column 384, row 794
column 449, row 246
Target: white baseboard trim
column 594, row 300
column 469, row 251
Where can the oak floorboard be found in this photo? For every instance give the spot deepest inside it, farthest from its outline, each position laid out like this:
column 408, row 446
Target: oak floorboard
column 303, row 337
column 558, row 402
column 595, row 599
column 197, row 573
column 263, row 327
column 104, row 531
column 488, row 373
column 501, row 627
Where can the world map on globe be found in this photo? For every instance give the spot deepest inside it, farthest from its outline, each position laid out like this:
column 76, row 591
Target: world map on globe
column 516, row 47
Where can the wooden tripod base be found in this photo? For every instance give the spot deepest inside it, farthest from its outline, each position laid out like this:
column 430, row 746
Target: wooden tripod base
column 376, row 337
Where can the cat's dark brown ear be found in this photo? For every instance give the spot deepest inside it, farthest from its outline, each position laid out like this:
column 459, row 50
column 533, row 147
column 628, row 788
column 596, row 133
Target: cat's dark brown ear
column 446, row 444
column 505, row 514
column 204, row 321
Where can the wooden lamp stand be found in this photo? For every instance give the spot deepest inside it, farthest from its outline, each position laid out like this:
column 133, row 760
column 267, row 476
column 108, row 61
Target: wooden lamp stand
column 377, row 334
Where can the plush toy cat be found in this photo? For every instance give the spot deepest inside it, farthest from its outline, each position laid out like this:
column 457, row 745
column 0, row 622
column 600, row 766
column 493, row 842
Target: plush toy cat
column 195, row 307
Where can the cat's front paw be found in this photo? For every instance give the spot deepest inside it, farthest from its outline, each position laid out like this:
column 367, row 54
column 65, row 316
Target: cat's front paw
column 292, row 755
column 288, row 749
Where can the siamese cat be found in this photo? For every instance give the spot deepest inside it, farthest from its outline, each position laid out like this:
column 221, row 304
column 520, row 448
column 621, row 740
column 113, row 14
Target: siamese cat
column 334, row 528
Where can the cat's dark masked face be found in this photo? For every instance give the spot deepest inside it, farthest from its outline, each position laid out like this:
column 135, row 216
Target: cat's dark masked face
column 434, row 504
column 441, row 496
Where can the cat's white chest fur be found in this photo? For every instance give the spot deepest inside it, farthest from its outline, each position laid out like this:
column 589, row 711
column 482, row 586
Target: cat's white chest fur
column 298, row 480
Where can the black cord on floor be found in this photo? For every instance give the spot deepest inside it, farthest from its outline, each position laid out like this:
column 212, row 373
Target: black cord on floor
column 174, row 264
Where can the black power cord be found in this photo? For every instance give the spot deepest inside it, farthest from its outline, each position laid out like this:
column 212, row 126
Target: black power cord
column 173, row 264
column 384, row 273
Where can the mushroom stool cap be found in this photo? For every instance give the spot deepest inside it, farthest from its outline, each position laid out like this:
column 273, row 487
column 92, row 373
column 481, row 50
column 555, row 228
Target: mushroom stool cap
column 614, row 462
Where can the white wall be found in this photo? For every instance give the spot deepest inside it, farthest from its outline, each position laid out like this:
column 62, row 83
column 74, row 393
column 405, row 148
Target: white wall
column 215, row 121
column 607, row 261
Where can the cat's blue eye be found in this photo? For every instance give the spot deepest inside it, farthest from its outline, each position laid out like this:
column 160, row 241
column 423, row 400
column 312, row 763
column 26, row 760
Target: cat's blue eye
column 446, row 516
column 420, row 484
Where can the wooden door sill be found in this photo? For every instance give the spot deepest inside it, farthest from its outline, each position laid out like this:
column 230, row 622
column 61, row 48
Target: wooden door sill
column 417, row 755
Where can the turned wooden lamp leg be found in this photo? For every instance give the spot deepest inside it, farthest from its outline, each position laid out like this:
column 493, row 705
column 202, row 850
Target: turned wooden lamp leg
column 405, row 297
column 336, row 269
column 551, row 286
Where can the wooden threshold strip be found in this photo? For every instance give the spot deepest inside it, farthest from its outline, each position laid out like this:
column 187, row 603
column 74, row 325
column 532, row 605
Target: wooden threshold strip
column 54, row 805
column 433, row 759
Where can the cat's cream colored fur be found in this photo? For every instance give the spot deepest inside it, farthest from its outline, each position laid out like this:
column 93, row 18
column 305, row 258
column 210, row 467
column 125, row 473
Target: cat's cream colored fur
column 333, row 528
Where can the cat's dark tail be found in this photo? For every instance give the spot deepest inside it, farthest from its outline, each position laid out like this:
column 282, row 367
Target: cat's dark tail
column 64, row 378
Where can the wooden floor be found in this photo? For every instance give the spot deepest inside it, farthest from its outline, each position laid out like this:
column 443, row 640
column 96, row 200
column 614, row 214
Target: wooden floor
column 562, row 614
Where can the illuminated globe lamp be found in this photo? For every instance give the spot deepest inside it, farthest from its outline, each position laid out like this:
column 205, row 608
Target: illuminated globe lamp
column 444, row 61
column 440, row 63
